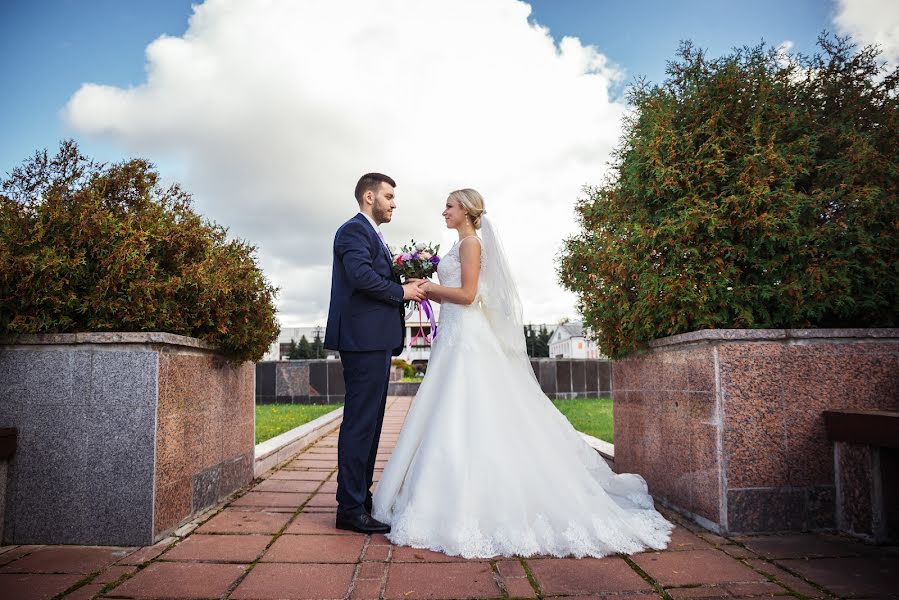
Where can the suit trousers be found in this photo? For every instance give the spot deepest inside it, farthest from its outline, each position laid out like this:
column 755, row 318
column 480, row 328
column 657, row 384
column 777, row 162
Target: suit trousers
column 366, row 375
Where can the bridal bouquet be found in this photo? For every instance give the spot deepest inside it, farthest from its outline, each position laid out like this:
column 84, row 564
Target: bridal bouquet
column 416, row 261
column 419, row 261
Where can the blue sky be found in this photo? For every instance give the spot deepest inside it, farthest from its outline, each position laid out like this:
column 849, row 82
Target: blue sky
column 49, row 48
column 642, row 34
column 267, row 112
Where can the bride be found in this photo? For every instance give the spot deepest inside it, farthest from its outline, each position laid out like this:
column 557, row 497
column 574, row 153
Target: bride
column 485, row 465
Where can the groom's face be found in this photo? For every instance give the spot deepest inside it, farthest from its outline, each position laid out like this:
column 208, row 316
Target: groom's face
column 384, row 205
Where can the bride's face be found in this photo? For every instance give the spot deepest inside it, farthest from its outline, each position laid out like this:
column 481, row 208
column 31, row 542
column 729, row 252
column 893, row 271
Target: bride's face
column 454, row 214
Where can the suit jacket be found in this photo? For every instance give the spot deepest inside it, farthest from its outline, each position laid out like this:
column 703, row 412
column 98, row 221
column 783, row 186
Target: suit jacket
column 366, row 311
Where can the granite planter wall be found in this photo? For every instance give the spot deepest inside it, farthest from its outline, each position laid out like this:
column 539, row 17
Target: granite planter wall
column 727, row 425
column 121, row 436
column 320, row 381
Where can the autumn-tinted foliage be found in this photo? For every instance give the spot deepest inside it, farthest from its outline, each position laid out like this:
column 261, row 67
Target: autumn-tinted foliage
column 91, row 247
column 757, row 190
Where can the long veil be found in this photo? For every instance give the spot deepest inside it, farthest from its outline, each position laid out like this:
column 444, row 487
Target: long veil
column 499, row 294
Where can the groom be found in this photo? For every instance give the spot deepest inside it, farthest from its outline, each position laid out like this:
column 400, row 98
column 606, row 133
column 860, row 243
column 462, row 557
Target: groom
column 366, row 325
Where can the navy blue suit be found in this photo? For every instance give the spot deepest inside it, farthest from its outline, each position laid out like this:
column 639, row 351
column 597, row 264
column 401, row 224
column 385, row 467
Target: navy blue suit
column 366, row 325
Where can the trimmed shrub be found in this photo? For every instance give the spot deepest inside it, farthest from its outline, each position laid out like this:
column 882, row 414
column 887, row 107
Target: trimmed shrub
column 408, row 370
column 90, row 247
column 757, row 190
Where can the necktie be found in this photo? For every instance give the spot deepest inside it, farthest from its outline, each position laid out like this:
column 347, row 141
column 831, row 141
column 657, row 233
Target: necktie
column 383, row 243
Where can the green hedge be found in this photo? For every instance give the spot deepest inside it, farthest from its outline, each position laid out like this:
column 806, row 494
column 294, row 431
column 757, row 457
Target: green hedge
column 757, row 190
column 91, row 247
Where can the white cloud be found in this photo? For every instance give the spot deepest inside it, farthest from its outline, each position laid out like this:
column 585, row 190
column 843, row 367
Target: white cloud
column 871, row 22
column 783, row 52
column 785, row 47
column 272, row 110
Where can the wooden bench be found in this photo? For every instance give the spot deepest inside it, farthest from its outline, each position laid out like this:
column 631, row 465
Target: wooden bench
column 866, row 471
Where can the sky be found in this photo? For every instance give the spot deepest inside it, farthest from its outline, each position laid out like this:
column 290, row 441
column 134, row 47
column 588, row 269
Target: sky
column 267, row 111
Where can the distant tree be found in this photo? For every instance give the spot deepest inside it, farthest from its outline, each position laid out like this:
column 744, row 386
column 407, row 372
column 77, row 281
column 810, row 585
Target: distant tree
column 293, row 351
column 536, row 341
column 529, row 339
column 541, row 342
column 304, row 350
column 318, row 348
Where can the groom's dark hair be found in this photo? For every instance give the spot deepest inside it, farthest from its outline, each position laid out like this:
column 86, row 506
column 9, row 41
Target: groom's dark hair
column 371, row 181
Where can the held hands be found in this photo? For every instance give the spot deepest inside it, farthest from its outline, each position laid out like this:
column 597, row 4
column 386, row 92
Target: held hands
column 414, row 290
column 428, row 288
column 423, row 287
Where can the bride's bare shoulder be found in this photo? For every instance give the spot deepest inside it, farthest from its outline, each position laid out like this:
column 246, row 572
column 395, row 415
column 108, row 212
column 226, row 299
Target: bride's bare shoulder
column 470, row 245
column 470, row 252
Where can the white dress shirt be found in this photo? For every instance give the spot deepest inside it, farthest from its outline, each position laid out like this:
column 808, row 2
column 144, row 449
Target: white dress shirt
column 378, row 232
column 372, row 221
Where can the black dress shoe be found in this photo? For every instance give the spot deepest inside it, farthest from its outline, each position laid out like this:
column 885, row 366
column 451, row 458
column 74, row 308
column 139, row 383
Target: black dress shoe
column 363, row 523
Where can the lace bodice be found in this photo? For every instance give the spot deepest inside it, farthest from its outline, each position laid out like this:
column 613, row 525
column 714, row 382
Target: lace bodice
column 449, row 270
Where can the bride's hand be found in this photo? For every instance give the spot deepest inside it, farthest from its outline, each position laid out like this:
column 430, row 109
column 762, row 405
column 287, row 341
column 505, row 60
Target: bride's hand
column 430, row 290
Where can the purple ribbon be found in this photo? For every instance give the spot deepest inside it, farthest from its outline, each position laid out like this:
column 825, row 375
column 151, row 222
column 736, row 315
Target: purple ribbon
column 429, row 311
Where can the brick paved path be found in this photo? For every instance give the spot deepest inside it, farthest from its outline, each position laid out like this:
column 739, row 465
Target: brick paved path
column 277, row 541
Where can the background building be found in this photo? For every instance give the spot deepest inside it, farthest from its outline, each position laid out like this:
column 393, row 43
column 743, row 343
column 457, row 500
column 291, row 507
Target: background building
column 279, row 348
column 570, row 340
column 419, row 352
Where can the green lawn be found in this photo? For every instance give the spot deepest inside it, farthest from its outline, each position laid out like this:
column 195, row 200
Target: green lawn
column 272, row 419
column 589, row 415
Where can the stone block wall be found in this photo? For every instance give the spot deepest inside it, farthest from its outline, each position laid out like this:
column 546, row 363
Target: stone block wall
column 315, row 381
column 573, row 377
column 320, row 381
column 205, row 434
column 122, row 436
column 728, row 426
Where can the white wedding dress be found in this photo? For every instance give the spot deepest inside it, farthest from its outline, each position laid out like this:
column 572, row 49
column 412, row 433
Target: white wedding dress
column 485, row 465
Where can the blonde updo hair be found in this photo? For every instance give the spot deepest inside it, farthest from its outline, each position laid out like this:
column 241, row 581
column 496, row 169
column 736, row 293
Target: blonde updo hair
column 472, row 202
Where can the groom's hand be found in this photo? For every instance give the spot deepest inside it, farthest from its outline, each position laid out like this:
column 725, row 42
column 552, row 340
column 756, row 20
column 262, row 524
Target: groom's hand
column 413, row 291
